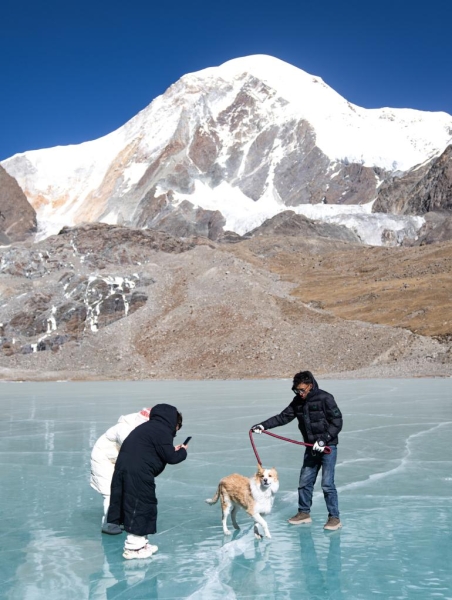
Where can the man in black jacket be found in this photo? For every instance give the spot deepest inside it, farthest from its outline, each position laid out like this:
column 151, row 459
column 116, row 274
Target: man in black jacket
column 320, row 421
column 144, row 454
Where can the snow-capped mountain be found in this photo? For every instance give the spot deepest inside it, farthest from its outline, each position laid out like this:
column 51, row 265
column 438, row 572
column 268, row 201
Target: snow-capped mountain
column 249, row 139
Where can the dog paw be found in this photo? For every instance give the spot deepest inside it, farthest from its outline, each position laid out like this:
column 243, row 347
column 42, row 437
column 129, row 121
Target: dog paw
column 227, row 532
column 257, row 536
column 267, row 535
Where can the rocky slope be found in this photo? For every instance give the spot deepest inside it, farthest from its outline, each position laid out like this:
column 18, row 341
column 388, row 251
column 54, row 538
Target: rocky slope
column 107, row 302
column 425, row 188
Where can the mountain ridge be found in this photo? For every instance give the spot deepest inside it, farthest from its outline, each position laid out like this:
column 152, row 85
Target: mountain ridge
column 225, row 140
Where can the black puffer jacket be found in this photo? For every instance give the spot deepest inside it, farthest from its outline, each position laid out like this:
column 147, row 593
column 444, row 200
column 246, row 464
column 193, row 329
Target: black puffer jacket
column 319, row 417
column 144, row 454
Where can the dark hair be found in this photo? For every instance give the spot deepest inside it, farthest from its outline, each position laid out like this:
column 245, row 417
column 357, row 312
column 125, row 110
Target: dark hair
column 179, row 420
column 302, row 377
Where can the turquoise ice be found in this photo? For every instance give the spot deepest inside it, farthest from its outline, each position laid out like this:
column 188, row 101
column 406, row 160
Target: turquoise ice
column 394, row 478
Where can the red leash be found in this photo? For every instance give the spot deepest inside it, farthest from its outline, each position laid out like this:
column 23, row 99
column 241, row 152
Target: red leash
column 327, row 449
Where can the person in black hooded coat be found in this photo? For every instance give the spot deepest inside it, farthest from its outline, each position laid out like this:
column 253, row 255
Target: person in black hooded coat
column 143, row 456
column 319, row 421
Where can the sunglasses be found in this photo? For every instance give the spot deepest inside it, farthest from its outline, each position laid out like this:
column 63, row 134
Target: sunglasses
column 299, row 392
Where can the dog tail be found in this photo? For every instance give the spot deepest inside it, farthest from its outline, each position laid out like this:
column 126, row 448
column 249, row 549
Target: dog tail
column 214, row 500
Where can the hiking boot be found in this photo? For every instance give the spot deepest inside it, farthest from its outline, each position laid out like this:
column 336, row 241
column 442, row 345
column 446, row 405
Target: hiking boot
column 111, row 529
column 301, row 518
column 333, row 524
column 144, row 552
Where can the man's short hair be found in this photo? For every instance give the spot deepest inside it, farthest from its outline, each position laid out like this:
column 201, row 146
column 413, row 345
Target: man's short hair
column 179, row 419
column 302, row 377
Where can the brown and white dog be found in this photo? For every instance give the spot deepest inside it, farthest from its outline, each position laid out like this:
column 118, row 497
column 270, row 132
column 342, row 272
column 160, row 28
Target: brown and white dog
column 254, row 494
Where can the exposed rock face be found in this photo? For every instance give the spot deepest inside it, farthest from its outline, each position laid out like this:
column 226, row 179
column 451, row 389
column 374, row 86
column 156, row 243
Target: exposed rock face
column 420, row 190
column 289, row 223
column 434, row 191
column 17, row 216
column 437, row 228
column 183, row 220
column 76, row 299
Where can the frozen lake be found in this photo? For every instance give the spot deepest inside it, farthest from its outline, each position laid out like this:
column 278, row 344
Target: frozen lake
column 394, row 477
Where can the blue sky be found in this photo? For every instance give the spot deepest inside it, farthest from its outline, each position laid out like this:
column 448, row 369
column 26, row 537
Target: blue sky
column 74, row 71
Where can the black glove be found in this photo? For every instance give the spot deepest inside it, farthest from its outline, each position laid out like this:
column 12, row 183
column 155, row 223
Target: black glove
column 257, row 428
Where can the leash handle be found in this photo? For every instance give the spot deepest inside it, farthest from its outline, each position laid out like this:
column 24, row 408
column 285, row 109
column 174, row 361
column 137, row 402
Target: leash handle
column 327, row 449
column 259, row 462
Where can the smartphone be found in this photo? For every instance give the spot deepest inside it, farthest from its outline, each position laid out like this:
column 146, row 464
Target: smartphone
column 186, row 441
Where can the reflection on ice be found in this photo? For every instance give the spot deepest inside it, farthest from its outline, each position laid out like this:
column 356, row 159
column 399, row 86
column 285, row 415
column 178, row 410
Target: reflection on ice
column 50, row 564
column 393, row 478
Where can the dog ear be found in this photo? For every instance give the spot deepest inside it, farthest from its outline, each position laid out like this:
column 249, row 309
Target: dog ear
column 260, row 469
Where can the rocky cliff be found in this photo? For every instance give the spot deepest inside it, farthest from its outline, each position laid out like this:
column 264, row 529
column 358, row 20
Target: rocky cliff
column 17, row 216
column 422, row 189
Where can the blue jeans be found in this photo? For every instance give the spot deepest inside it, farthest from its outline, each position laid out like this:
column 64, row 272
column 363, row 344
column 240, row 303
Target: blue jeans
column 312, row 463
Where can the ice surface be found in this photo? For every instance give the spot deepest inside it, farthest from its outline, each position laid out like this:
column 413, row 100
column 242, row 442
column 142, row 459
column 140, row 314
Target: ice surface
column 394, row 478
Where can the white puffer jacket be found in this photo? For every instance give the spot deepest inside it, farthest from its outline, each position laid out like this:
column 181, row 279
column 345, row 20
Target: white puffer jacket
column 106, row 449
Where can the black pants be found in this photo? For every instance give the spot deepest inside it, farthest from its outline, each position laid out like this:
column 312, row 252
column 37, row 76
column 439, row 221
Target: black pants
column 133, row 503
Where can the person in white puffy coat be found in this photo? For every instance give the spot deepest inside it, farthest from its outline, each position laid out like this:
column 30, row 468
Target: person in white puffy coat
column 103, row 459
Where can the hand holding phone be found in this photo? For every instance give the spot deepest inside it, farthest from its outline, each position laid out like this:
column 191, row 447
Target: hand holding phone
column 186, row 441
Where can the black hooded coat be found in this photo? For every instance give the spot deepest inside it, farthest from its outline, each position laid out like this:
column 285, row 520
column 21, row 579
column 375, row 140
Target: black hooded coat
column 144, row 454
column 319, row 417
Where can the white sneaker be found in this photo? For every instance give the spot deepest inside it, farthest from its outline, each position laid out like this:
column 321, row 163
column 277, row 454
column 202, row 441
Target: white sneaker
column 144, row 552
